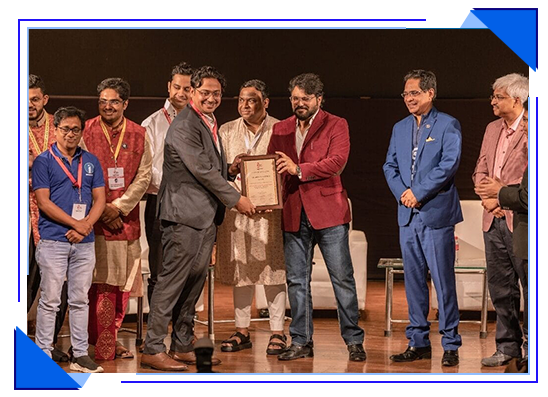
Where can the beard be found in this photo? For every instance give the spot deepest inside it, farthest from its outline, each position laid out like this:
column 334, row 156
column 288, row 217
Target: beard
column 304, row 116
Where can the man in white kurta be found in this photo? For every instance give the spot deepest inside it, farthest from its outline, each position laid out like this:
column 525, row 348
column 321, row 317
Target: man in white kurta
column 250, row 249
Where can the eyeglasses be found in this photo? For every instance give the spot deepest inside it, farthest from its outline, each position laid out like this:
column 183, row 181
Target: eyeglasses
column 498, row 97
column 304, row 99
column 66, row 130
column 207, row 94
column 111, row 102
column 411, row 94
column 36, row 99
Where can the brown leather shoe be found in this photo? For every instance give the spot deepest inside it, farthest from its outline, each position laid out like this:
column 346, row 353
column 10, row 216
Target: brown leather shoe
column 161, row 362
column 190, row 358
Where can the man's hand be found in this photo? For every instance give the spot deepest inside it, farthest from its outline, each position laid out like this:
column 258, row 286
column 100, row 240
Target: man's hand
column 492, row 206
column 409, row 200
column 110, row 213
column 73, row 236
column 245, row 206
column 489, row 188
column 234, row 168
column 284, row 163
column 115, row 224
column 83, row 226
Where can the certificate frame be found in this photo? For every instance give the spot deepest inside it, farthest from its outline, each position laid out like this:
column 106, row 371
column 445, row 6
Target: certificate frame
column 257, row 186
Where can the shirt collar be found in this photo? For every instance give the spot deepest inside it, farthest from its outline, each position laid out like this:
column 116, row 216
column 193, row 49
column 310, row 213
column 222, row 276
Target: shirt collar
column 170, row 108
column 55, row 149
column 514, row 127
column 311, row 120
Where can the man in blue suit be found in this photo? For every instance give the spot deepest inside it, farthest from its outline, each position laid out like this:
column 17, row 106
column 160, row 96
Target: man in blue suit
column 420, row 168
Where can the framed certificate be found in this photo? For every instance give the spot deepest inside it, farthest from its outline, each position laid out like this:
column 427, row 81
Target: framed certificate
column 260, row 181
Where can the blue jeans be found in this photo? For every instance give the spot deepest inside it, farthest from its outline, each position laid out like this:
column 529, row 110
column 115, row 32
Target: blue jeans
column 333, row 243
column 76, row 262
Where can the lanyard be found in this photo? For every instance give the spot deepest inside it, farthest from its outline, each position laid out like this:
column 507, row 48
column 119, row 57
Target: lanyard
column 214, row 129
column 120, row 140
column 168, row 117
column 252, row 145
column 76, row 183
column 46, row 137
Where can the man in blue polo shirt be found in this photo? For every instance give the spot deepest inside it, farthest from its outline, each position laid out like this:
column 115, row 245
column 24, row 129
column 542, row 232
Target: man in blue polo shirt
column 69, row 187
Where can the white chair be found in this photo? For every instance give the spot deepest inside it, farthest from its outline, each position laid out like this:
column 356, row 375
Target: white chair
column 471, row 253
column 322, row 289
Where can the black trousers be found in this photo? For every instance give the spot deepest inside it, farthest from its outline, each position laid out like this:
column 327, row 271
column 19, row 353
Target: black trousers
column 187, row 254
column 504, row 274
column 154, row 240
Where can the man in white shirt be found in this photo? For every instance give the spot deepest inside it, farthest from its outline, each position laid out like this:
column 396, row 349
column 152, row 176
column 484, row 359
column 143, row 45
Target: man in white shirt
column 156, row 126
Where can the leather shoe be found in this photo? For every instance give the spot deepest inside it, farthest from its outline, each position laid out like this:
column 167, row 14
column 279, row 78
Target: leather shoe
column 162, row 362
column 294, row 352
column 450, row 358
column 412, row 354
column 496, row 360
column 190, row 358
column 356, row 352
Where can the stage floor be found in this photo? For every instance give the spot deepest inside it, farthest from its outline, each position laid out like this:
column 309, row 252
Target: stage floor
column 330, row 354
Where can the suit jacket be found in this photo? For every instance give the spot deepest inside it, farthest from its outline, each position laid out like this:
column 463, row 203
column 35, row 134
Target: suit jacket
column 323, row 157
column 515, row 198
column 437, row 161
column 194, row 189
column 513, row 166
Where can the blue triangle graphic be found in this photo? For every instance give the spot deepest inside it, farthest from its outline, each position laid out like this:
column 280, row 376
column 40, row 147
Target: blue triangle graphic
column 35, row 370
column 516, row 27
column 472, row 22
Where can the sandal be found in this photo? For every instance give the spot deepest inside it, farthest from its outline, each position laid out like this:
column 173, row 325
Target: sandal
column 274, row 351
column 122, row 352
column 244, row 343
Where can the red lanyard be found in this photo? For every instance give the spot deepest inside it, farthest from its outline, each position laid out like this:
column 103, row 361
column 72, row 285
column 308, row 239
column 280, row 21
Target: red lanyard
column 214, row 129
column 168, row 117
column 75, row 183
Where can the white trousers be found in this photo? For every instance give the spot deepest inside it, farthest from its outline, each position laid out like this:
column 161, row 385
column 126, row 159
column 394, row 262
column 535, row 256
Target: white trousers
column 275, row 296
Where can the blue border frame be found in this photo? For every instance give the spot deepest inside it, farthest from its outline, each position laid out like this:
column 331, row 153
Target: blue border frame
column 264, row 20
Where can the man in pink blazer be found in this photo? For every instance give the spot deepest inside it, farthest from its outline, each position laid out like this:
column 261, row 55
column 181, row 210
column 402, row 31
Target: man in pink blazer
column 503, row 156
column 314, row 146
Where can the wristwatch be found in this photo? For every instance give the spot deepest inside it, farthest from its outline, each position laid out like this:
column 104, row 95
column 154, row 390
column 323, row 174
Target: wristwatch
column 299, row 172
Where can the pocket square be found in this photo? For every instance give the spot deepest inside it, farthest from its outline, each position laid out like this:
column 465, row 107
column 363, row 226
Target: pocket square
column 430, row 139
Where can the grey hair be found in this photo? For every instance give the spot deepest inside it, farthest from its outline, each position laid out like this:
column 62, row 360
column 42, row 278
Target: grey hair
column 516, row 85
column 427, row 80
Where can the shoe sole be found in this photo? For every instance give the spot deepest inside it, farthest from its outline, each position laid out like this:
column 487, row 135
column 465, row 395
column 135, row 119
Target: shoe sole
column 78, row 367
column 425, row 356
column 448, row 364
column 147, row 366
column 237, row 348
column 308, row 355
column 495, row 364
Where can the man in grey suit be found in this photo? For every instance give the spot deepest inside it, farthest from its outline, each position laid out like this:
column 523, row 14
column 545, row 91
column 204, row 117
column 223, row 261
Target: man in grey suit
column 191, row 201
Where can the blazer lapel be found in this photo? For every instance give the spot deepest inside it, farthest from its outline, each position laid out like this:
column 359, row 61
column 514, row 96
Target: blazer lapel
column 317, row 123
column 427, row 131
column 513, row 144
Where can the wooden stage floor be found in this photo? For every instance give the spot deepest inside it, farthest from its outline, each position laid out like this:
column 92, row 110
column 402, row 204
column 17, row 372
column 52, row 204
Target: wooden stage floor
column 330, row 351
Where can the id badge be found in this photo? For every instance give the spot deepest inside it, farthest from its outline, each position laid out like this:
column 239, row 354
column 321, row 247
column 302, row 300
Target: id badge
column 78, row 211
column 116, row 178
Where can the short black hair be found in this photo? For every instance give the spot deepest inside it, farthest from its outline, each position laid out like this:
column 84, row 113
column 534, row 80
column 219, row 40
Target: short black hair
column 66, row 112
column 119, row 85
column 259, row 85
column 205, row 72
column 37, row 82
column 181, row 68
column 309, row 82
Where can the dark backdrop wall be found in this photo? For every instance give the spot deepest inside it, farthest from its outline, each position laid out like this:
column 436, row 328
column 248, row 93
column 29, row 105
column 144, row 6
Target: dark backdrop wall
column 362, row 70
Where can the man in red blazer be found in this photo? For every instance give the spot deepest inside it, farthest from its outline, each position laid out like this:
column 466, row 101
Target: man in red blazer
column 503, row 156
column 314, row 146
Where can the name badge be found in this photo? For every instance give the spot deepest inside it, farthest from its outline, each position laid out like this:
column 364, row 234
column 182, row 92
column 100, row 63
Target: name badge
column 116, row 178
column 78, row 211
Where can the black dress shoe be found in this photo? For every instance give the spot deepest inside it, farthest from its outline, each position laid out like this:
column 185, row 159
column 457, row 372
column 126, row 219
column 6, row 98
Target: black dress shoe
column 356, row 352
column 450, row 358
column 412, row 354
column 294, row 352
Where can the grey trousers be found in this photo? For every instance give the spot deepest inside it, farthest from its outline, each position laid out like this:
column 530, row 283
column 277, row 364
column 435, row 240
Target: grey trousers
column 187, row 254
